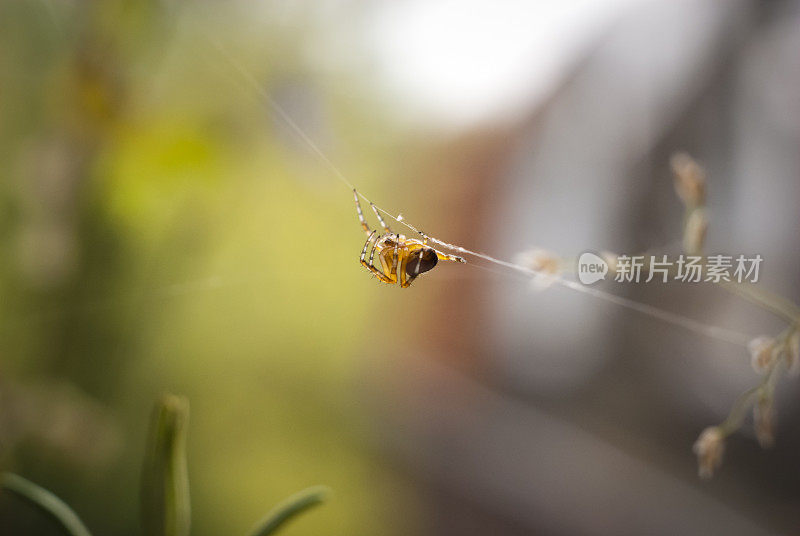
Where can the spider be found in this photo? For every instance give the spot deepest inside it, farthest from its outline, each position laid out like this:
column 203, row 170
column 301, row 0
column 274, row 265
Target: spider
column 402, row 259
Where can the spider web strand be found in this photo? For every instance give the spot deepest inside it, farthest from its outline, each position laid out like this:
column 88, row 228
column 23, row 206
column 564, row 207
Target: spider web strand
column 716, row 332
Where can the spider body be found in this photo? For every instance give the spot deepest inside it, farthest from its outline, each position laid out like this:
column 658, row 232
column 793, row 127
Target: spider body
column 401, row 259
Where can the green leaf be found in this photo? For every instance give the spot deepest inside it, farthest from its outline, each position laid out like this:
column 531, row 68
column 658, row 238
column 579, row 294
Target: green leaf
column 165, row 482
column 45, row 501
column 291, row 507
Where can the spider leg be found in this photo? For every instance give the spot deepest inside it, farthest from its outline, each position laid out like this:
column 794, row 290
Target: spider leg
column 394, row 257
column 361, row 214
column 369, row 265
column 442, row 256
column 380, row 218
column 408, row 282
column 405, row 279
column 364, row 250
column 424, row 237
column 452, row 258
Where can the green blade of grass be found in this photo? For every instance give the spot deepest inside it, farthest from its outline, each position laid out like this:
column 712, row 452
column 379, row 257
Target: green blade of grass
column 165, row 481
column 288, row 509
column 47, row 502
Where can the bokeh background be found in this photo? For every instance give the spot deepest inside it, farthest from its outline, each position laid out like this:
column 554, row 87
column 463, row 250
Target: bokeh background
column 163, row 228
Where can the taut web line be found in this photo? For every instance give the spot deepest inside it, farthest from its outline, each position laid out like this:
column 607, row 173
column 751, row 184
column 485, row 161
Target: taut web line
column 716, row 332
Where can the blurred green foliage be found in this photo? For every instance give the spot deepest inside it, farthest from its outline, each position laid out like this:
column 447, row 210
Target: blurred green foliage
column 163, row 234
column 165, row 480
column 165, row 484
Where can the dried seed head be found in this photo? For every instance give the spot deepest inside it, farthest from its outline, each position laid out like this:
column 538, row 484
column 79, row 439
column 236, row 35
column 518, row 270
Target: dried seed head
column 690, row 180
column 546, row 264
column 540, row 260
column 761, row 353
column 793, row 354
column 694, row 232
column 709, row 448
column 764, row 420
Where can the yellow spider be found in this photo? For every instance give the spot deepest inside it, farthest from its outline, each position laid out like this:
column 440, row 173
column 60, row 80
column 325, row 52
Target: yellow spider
column 402, row 259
